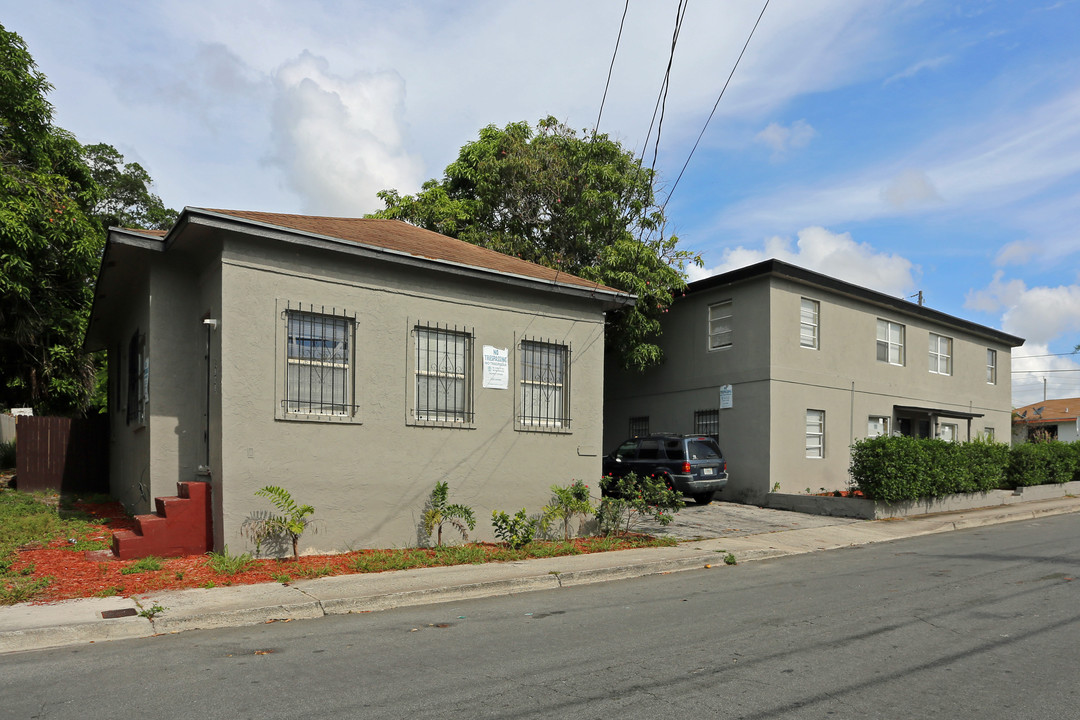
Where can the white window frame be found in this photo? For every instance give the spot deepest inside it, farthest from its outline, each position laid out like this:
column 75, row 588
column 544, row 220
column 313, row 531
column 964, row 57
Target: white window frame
column 721, row 332
column 455, row 367
column 952, row 430
column 886, row 341
column 335, row 329
column 991, row 366
column 544, row 386
column 989, row 433
column 940, row 354
column 878, row 426
column 809, row 315
column 815, row 434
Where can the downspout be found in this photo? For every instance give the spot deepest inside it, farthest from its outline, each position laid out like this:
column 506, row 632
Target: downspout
column 211, row 325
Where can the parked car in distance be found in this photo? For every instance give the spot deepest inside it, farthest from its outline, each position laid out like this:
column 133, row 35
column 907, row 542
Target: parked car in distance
column 690, row 464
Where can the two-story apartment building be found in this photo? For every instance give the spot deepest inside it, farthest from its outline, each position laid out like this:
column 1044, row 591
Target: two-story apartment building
column 788, row 367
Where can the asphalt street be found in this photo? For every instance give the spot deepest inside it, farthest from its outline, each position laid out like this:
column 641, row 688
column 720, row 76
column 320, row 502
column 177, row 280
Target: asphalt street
column 974, row 623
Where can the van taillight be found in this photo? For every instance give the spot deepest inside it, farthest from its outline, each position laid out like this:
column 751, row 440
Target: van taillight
column 686, row 468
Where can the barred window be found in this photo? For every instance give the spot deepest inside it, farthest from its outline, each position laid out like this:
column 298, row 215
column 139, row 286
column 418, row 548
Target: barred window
column 639, row 426
column 444, row 374
column 545, row 384
column 707, row 422
column 318, row 363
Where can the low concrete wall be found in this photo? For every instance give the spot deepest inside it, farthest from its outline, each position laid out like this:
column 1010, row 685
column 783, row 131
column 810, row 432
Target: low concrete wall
column 877, row 510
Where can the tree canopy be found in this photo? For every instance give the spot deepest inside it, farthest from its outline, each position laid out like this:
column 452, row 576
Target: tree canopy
column 580, row 204
column 53, row 212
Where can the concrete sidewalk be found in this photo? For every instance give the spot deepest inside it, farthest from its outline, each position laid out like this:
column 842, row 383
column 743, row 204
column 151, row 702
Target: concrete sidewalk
column 30, row 627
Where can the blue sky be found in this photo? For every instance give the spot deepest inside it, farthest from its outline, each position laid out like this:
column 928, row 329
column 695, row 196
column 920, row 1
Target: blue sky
column 903, row 146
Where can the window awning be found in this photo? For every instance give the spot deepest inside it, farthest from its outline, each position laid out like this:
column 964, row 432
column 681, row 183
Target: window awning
column 935, row 412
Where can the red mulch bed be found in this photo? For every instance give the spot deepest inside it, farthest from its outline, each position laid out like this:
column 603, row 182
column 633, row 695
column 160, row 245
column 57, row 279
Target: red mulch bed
column 74, row 576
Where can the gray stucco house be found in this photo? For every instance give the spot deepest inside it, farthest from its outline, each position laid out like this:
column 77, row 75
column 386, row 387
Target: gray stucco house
column 788, row 367
column 354, row 362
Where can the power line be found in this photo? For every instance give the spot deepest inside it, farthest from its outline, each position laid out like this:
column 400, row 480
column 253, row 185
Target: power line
column 715, row 105
column 679, row 12
column 596, row 128
column 667, row 78
column 1015, row 372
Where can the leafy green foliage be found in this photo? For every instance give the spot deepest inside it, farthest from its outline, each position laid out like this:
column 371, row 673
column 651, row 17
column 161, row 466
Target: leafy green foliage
column 567, row 503
column 225, row 564
column 583, row 205
column 291, row 522
column 125, row 199
column 1043, row 463
column 439, row 511
column 517, row 531
column 633, row 498
column 51, row 239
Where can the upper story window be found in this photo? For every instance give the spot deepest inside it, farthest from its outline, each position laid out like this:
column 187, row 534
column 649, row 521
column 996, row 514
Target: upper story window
column 318, row 378
column 890, row 342
column 545, row 385
column 940, row 354
column 444, row 374
column 808, row 323
column 720, row 331
column 991, row 366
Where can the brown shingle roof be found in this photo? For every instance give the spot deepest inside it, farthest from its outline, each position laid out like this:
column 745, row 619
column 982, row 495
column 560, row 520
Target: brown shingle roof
column 1053, row 411
column 402, row 237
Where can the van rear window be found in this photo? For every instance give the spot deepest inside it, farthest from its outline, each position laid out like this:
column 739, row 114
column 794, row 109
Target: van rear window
column 703, row 449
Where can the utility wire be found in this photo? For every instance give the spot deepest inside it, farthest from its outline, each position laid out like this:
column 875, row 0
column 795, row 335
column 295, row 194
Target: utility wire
column 715, row 105
column 680, row 14
column 596, row 128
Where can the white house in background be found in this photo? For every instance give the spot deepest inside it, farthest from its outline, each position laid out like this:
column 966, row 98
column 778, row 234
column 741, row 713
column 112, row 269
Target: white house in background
column 1049, row 419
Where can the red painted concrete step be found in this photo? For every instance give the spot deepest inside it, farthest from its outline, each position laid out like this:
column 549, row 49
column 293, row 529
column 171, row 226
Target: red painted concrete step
column 181, row 526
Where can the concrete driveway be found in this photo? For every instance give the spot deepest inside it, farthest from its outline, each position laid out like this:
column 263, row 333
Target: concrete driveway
column 725, row 519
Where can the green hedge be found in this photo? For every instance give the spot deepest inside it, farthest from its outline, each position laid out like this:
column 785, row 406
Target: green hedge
column 893, row 469
column 1043, row 463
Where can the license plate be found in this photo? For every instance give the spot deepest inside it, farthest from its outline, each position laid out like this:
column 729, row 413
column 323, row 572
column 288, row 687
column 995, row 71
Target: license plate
column 708, row 471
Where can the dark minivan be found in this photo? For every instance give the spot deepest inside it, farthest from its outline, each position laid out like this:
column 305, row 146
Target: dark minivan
column 691, row 464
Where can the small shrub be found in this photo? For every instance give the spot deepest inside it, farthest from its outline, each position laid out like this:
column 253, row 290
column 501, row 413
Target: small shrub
column 567, row 503
column 633, row 498
column 224, row 564
column 438, row 511
column 729, row 559
column 7, row 454
column 289, row 525
column 146, row 564
column 517, row 531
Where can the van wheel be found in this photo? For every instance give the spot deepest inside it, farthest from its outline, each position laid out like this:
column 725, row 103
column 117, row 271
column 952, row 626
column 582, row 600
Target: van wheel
column 703, row 498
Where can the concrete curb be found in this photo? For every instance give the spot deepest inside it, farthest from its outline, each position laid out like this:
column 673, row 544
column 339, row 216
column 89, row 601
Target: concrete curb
column 80, row 621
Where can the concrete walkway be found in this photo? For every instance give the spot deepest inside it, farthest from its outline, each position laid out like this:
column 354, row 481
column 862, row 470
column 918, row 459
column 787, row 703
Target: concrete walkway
column 708, row 535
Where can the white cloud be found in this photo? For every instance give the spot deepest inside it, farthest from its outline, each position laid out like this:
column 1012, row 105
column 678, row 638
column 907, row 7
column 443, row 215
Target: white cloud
column 918, row 67
column 1037, row 373
column 1039, row 314
column 781, row 138
column 911, row 188
column 834, row 254
column 340, row 140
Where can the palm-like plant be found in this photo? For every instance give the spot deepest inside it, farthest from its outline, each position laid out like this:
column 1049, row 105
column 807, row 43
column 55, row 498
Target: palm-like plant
column 291, row 523
column 437, row 512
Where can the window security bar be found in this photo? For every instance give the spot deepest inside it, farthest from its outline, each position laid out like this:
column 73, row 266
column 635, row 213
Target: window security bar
column 318, row 361
column 444, row 373
column 545, row 384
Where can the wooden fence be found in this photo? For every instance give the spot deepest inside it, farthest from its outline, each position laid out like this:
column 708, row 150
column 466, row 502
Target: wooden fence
column 62, row 454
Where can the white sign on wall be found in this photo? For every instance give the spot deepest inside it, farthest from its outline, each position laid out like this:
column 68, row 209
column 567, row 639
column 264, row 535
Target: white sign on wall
column 496, row 367
column 727, row 397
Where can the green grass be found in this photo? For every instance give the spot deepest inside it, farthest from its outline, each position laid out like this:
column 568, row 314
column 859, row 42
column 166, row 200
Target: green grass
column 146, row 564
column 225, row 564
column 28, row 519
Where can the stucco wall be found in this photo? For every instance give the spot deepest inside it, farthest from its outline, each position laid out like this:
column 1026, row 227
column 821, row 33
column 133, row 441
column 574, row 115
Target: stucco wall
column 368, row 478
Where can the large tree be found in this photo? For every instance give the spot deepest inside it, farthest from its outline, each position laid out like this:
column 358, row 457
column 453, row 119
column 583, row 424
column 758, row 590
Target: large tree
column 580, row 204
column 53, row 216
